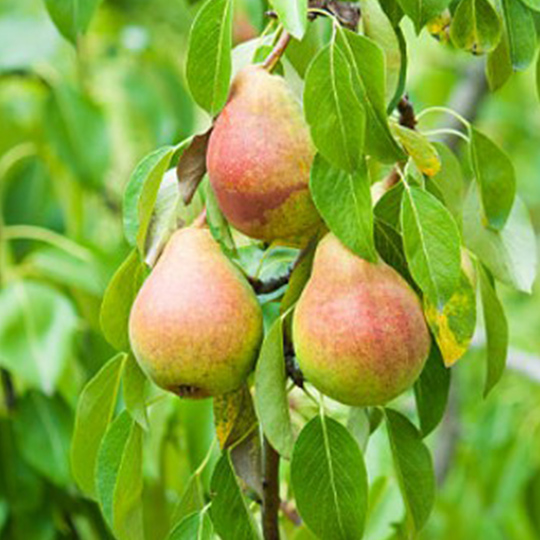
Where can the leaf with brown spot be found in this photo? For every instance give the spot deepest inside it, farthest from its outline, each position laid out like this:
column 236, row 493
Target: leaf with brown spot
column 234, row 416
column 453, row 327
column 191, row 166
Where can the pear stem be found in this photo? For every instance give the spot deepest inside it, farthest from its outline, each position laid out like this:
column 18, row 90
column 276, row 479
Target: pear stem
column 272, row 59
column 271, row 501
column 200, row 220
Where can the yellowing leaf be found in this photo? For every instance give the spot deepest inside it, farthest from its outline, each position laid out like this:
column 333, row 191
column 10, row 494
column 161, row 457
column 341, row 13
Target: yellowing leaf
column 234, row 416
column 422, row 152
column 453, row 327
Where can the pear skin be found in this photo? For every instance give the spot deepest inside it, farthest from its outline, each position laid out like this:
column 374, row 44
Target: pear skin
column 358, row 329
column 259, row 159
column 196, row 325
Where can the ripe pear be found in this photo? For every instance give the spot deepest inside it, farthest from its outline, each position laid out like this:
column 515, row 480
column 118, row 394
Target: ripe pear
column 196, row 325
column 259, row 159
column 358, row 329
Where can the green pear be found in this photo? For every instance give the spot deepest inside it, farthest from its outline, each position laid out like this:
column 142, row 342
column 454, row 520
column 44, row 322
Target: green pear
column 259, row 159
column 196, row 325
column 358, row 329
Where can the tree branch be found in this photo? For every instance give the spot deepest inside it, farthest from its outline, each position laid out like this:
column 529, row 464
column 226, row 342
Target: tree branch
column 271, row 500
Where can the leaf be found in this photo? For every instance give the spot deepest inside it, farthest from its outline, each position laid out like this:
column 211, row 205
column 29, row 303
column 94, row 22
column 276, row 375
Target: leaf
column 271, row 399
column 510, row 254
column 43, row 428
column 141, row 193
column 334, row 113
column 292, row 15
column 421, row 11
column 449, row 180
column 432, row 245
column 234, row 416
column 192, row 499
column 119, row 480
column 496, row 331
column 422, row 152
column 453, row 326
column 230, row 514
column 37, row 331
column 378, row 27
column 299, row 276
column 366, row 60
column 209, row 63
column 82, row 145
column 246, row 457
column 219, row 227
column 191, row 166
column 431, row 392
column 496, row 179
column 499, row 64
column 358, row 425
column 329, row 479
column 521, row 31
column 94, row 412
column 476, row 26
column 135, row 384
column 72, row 17
column 344, row 201
column 414, row 468
column 118, row 299
column 195, row 526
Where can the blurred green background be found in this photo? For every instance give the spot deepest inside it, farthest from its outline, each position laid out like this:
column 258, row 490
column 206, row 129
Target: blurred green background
column 73, row 124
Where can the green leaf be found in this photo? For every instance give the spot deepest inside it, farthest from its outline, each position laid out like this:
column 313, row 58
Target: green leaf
column 344, row 201
column 195, row 526
column 135, row 384
column 521, row 33
column 94, row 412
column 453, row 326
column 292, row 15
column 421, row 11
column 476, row 26
column 192, row 499
column 414, row 468
column 119, row 480
column 499, row 64
column 496, row 331
column 335, row 115
column 449, row 180
column 219, row 227
column 141, row 193
column 229, row 512
column 43, row 431
column 496, row 179
column 209, row 62
column 118, row 299
column 510, row 254
column 271, row 392
column 37, row 331
column 366, row 60
column 432, row 245
column 72, row 17
column 329, row 479
column 422, row 152
column 378, row 27
column 299, row 277
column 431, row 391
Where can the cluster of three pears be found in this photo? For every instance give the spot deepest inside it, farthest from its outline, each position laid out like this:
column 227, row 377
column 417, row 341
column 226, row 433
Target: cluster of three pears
column 196, row 325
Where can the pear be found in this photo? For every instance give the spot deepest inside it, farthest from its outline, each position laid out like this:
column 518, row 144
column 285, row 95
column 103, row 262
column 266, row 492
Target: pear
column 358, row 329
column 259, row 159
column 196, row 325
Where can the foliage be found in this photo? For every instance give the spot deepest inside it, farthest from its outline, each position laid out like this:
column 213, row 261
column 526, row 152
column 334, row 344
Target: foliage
column 97, row 115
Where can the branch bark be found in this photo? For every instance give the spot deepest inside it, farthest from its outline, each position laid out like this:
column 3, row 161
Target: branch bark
column 271, row 500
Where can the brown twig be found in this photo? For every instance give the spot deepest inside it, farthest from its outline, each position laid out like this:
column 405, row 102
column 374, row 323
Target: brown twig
column 407, row 117
column 271, row 501
column 271, row 285
column 347, row 13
